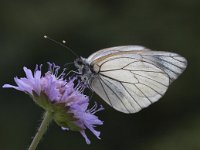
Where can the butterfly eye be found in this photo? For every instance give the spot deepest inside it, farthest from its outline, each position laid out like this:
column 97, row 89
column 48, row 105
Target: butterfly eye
column 79, row 62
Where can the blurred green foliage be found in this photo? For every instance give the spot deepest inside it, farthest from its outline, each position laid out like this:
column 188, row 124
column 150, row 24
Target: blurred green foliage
column 173, row 123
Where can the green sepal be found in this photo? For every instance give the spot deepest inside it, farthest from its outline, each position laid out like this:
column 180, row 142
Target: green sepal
column 42, row 101
column 59, row 111
column 63, row 118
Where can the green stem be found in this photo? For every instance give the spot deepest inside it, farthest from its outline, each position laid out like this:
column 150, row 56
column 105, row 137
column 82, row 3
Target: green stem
column 47, row 118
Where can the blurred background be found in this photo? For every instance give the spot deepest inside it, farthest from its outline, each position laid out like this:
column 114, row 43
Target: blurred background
column 173, row 123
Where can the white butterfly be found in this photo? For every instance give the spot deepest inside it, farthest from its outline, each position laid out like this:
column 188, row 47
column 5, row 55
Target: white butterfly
column 130, row 78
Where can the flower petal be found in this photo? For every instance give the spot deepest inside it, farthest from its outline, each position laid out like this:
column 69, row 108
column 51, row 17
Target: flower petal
column 28, row 73
column 23, row 86
column 10, row 86
column 85, row 136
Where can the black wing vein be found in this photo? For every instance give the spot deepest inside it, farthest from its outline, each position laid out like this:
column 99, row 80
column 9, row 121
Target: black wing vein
column 143, row 93
column 169, row 62
column 127, row 92
column 117, row 58
column 105, row 91
column 150, row 87
column 147, row 78
column 133, row 74
column 175, row 58
column 133, row 70
column 131, row 96
column 112, row 78
column 115, row 94
column 162, row 66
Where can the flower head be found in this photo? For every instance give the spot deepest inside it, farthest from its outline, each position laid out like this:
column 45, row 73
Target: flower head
column 63, row 98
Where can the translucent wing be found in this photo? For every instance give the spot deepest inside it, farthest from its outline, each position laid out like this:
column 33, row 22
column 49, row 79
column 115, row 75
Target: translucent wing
column 132, row 80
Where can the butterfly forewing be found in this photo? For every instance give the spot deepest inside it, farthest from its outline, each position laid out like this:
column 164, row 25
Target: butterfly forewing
column 130, row 80
column 113, row 50
column 171, row 63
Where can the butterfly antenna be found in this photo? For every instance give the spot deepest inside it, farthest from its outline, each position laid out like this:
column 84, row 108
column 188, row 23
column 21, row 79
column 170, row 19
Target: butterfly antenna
column 61, row 44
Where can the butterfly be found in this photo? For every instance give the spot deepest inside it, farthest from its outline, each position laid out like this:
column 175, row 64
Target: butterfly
column 130, row 78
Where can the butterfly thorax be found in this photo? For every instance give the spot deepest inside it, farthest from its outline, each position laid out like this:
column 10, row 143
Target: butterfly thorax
column 85, row 70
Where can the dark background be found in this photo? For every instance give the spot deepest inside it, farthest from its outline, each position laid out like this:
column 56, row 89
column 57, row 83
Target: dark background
column 173, row 123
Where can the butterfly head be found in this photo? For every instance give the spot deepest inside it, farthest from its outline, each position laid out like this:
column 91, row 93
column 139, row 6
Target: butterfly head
column 81, row 64
column 85, row 70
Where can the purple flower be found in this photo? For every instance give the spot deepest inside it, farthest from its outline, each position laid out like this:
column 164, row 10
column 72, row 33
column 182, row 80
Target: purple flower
column 63, row 98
